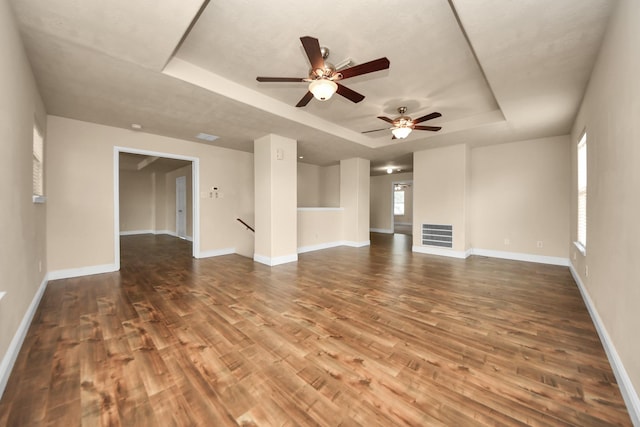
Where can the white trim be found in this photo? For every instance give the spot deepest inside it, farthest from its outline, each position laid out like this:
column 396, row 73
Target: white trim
column 580, row 247
column 38, row 199
column 275, row 261
column 216, row 252
column 441, row 251
column 311, row 248
column 195, row 200
column 625, row 385
column 135, row 232
column 381, row 230
column 541, row 259
column 2, row 294
column 320, row 209
column 9, row 358
column 353, row 244
column 82, row 271
column 168, row 232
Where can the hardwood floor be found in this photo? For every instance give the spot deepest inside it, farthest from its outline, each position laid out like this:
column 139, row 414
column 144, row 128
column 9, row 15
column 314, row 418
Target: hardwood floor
column 374, row 336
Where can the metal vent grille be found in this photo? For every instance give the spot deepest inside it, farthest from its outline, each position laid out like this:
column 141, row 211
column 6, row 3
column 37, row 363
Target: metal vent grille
column 437, row 235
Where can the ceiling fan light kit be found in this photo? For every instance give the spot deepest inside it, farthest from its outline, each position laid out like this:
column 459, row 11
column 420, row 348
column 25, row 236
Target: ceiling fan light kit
column 323, row 89
column 401, row 132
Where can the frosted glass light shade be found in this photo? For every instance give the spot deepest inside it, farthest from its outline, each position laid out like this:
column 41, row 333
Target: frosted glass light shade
column 323, row 89
column 401, row 133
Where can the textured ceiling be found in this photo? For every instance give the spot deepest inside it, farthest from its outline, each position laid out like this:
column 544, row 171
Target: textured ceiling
column 497, row 70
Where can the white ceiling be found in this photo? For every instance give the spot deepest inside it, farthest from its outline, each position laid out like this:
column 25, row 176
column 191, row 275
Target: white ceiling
column 497, row 70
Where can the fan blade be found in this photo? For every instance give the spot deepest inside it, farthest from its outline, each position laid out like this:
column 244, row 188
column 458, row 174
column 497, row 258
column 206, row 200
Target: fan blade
column 305, row 100
column 351, row 95
column 427, row 117
column 386, row 119
column 312, row 48
column 367, row 67
column 431, row 128
column 375, row 130
column 279, row 79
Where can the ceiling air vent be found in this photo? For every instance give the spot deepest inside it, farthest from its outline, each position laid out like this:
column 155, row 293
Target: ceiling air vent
column 437, row 235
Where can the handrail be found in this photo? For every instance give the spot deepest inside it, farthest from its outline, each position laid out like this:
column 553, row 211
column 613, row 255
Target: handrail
column 246, row 225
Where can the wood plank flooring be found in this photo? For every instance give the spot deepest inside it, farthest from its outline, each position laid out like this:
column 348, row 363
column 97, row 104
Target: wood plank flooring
column 374, row 336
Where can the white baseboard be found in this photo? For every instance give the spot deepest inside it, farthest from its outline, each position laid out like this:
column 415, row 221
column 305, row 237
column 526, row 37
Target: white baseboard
column 381, row 230
column 627, row 390
column 11, row 355
column 169, row 232
column 356, row 244
column 311, row 248
column 275, row 261
column 216, row 252
column 441, row 251
column 135, row 232
column 82, row 271
column 541, row 259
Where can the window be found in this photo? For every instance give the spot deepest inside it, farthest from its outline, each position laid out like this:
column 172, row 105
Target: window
column 398, row 202
column 38, row 166
column 582, row 193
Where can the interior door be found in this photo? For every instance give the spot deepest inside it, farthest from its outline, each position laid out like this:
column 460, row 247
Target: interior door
column 181, row 206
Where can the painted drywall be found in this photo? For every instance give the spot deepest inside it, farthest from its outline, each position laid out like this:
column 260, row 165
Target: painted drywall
column 609, row 113
column 318, row 186
column 381, row 199
column 80, row 218
column 136, row 201
column 330, row 186
column 354, row 198
column 159, row 202
column 520, row 196
column 319, row 228
column 22, row 223
column 308, row 185
column 440, row 191
column 276, row 199
column 170, row 198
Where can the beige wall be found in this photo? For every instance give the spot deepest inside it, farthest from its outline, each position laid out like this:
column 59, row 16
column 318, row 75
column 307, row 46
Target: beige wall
column 276, row 199
column 22, row 223
column 136, row 201
column 440, row 191
column 318, row 227
column 354, row 198
column 330, row 186
column 308, row 185
column 611, row 115
column 520, row 192
column 80, row 217
column 170, row 199
column 159, row 202
column 381, row 199
column 318, row 186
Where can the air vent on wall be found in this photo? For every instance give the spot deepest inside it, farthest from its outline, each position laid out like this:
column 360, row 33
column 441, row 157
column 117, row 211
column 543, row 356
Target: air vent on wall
column 437, row 235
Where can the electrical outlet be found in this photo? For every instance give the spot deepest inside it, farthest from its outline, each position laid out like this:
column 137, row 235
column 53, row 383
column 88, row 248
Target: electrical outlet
column 507, row 242
column 586, row 270
column 39, row 266
column 574, row 255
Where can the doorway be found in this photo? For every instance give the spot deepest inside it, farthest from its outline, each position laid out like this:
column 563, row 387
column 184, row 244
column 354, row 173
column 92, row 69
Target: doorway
column 149, row 178
column 402, row 201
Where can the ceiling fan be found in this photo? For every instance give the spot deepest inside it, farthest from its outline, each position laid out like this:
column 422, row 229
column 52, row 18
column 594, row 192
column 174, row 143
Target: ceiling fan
column 403, row 125
column 323, row 76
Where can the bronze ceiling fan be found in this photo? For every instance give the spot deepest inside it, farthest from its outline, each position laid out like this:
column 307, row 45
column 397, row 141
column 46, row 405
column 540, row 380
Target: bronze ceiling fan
column 323, row 77
column 403, row 125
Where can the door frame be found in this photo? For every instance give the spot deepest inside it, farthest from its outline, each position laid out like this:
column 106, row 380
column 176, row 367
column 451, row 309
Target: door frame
column 195, row 200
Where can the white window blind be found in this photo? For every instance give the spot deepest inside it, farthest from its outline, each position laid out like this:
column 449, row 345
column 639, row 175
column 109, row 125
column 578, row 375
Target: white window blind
column 398, row 202
column 582, row 191
column 38, row 163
